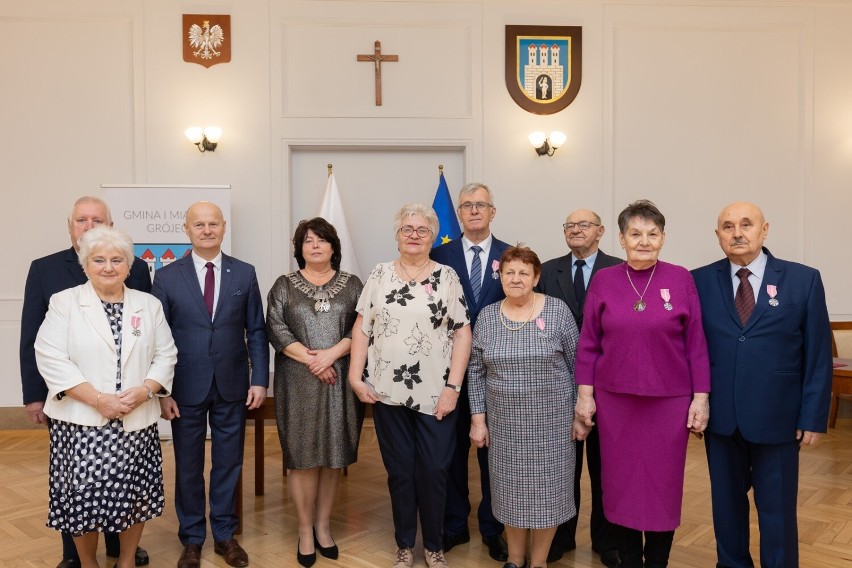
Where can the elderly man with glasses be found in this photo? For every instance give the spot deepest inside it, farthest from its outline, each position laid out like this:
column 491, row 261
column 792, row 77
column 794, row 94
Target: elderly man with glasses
column 475, row 258
column 567, row 278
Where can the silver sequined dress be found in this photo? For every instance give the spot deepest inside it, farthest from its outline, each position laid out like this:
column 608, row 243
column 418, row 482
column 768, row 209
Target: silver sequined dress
column 319, row 424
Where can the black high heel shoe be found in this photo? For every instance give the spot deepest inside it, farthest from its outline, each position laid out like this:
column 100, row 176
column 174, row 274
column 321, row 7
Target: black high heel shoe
column 327, row 551
column 306, row 560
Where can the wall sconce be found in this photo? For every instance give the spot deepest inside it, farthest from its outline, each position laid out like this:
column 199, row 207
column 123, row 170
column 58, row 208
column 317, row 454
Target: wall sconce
column 205, row 139
column 547, row 145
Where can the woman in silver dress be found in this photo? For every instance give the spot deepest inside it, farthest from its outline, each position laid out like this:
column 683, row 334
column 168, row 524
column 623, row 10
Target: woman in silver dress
column 522, row 393
column 309, row 321
column 106, row 353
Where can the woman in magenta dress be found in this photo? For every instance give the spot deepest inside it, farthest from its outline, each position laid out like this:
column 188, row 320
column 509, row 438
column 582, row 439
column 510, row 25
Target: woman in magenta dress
column 643, row 376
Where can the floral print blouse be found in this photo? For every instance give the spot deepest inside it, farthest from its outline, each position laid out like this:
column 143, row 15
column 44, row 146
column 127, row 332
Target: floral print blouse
column 410, row 330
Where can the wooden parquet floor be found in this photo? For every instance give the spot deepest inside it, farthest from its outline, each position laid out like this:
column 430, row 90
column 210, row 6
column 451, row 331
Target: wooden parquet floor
column 362, row 520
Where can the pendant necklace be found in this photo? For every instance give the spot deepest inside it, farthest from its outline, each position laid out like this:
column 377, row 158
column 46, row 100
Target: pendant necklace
column 413, row 281
column 504, row 318
column 639, row 306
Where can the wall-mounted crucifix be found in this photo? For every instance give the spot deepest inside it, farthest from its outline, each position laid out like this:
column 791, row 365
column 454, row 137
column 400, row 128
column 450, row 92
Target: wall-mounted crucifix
column 377, row 58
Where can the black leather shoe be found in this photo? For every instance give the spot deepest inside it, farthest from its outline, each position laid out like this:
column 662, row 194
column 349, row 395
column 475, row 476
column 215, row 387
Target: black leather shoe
column 327, row 551
column 513, row 565
column 190, row 557
column 141, row 557
column 610, row 558
column 68, row 563
column 306, row 560
column 455, row 539
column 497, row 547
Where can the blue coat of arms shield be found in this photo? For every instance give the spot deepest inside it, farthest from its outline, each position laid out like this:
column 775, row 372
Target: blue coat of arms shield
column 543, row 66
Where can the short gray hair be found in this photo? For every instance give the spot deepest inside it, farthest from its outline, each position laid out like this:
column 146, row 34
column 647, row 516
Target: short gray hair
column 90, row 199
column 472, row 187
column 412, row 209
column 105, row 238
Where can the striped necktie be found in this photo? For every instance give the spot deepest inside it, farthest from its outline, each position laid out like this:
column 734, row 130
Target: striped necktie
column 476, row 272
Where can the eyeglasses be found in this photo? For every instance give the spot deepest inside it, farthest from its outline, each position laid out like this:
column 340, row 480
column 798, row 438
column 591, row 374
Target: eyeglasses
column 582, row 225
column 408, row 230
column 480, row 206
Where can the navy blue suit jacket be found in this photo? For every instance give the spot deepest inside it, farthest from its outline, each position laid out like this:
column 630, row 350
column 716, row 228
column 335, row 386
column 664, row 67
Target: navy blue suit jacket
column 47, row 276
column 452, row 255
column 772, row 376
column 232, row 349
column 556, row 280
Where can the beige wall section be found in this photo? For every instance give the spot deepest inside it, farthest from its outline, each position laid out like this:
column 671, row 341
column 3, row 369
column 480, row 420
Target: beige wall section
column 690, row 104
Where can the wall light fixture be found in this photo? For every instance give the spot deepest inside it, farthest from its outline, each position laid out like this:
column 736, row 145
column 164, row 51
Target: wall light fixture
column 547, row 145
column 205, row 139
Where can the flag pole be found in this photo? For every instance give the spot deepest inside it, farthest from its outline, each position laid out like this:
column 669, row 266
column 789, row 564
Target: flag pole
column 329, row 170
column 440, row 169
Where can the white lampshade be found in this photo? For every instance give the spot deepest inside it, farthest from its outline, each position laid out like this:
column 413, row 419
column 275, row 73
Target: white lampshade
column 557, row 139
column 194, row 134
column 537, row 139
column 213, row 133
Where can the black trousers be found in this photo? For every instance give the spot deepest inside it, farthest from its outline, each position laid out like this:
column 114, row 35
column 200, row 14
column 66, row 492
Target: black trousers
column 416, row 449
column 655, row 549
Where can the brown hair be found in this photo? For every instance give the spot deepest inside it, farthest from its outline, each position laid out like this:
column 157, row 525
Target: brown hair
column 324, row 230
column 523, row 254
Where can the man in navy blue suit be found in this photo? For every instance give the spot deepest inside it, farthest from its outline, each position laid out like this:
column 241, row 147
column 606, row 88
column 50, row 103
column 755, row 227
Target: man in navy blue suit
column 49, row 275
column 567, row 278
column 475, row 257
column 769, row 339
column 213, row 305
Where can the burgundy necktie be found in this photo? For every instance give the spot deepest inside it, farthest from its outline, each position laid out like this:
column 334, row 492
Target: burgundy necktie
column 744, row 299
column 209, row 287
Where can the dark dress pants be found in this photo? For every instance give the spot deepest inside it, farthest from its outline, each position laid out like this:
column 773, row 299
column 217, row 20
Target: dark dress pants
column 227, row 421
column 416, row 449
column 458, row 501
column 655, row 550
column 772, row 470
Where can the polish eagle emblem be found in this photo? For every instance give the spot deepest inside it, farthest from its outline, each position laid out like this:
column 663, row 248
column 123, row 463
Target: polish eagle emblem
column 206, row 39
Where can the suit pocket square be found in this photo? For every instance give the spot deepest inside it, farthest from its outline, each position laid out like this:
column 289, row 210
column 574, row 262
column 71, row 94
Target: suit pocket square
column 238, row 293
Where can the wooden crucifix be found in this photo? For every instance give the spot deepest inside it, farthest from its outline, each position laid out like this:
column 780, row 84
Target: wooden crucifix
column 377, row 58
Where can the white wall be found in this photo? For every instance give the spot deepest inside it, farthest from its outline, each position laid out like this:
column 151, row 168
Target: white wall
column 690, row 104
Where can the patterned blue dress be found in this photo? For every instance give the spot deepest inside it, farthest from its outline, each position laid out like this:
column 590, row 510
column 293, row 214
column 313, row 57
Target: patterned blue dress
column 102, row 478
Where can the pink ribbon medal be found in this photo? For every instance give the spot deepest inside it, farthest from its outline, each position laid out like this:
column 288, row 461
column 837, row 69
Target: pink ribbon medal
column 495, row 269
column 667, row 296
column 772, row 290
column 539, row 323
column 135, row 322
column 429, row 289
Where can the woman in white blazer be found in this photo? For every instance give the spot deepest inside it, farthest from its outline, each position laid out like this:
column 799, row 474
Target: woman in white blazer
column 106, row 354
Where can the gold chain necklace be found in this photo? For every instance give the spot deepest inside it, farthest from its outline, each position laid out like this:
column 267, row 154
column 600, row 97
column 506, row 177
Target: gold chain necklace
column 413, row 281
column 639, row 306
column 504, row 318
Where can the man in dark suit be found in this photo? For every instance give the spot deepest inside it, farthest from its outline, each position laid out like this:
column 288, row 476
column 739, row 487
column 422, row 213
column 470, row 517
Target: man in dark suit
column 769, row 340
column 213, row 305
column 567, row 278
column 49, row 275
column 475, row 257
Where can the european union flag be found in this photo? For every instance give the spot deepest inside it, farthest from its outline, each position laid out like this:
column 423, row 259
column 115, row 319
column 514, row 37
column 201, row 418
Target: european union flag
column 448, row 223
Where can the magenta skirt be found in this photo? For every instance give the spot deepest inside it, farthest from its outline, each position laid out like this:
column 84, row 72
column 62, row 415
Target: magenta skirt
column 643, row 454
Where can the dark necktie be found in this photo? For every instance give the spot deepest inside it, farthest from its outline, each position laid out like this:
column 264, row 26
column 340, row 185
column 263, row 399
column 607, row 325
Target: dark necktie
column 579, row 283
column 209, row 287
column 476, row 273
column 744, row 299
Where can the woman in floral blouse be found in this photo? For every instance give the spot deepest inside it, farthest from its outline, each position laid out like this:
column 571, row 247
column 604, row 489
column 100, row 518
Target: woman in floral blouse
column 410, row 348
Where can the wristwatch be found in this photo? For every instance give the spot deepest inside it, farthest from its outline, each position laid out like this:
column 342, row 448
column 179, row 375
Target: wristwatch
column 456, row 388
column 150, row 392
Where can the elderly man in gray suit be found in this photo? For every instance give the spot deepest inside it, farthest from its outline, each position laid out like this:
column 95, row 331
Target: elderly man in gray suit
column 567, row 278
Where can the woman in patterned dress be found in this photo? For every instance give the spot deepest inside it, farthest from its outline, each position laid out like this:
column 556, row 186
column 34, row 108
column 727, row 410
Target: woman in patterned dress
column 644, row 376
column 309, row 323
column 410, row 347
column 522, row 396
column 105, row 352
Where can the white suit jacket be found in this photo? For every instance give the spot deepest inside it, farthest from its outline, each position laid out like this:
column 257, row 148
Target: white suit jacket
column 75, row 345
